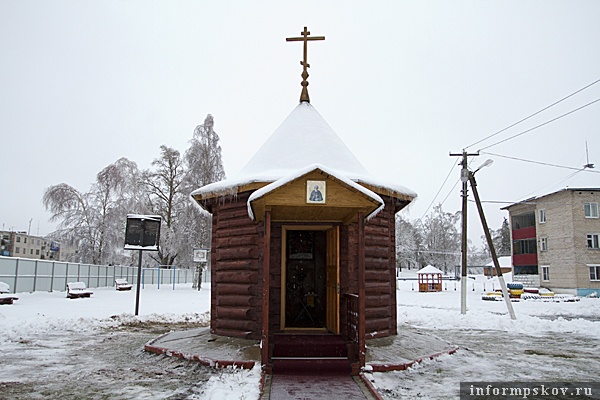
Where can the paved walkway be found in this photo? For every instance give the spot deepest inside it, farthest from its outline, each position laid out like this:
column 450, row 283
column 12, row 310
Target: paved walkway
column 385, row 354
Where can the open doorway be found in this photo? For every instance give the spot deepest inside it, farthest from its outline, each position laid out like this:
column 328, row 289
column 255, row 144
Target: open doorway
column 311, row 279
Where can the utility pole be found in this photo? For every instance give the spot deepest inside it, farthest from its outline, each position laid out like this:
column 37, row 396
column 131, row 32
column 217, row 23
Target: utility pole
column 491, row 245
column 464, row 177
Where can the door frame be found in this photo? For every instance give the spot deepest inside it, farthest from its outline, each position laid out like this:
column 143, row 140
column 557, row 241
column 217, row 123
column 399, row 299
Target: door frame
column 336, row 305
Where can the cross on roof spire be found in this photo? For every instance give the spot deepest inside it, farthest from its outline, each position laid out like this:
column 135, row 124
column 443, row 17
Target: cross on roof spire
column 305, row 38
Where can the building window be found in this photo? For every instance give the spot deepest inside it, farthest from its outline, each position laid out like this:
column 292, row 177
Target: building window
column 31, row 251
column 24, row 240
column 594, row 272
column 542, row 213
column 18, row 239
column 523, row 221
column 37, row 252
column 17, row 250
column 526, row 269
column 527, row 246
column 591, row 210
column 543, row 244
column 545, row 273
column 592, row 241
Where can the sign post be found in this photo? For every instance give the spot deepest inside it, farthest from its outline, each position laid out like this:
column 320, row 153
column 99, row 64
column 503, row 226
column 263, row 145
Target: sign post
column 142, row 233
column 201, row 257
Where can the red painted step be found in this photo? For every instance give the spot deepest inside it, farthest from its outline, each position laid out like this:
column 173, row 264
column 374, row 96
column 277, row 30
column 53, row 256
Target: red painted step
column 304, row 345
column 310, row 354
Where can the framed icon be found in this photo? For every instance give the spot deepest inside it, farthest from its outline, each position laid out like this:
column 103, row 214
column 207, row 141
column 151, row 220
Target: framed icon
column 316, row 192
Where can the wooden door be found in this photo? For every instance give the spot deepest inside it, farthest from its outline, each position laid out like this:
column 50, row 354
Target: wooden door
column 333, row 280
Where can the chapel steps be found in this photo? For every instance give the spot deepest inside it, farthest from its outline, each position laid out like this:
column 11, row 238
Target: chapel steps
column 311, row 354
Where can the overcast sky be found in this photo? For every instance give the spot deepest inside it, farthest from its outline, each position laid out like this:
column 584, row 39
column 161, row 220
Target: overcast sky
column 83, row 83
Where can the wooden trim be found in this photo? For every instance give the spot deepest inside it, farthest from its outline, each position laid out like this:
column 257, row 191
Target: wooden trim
column 265, row 288
column 332, row 286
column 361, row 290
column 283, row 267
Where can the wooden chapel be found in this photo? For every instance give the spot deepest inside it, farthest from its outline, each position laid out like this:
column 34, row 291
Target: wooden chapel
column 303, row 242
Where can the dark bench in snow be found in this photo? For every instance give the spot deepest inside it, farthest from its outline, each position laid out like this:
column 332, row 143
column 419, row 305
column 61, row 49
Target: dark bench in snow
column 77, row 289
column 122, row 284
column 5, row 296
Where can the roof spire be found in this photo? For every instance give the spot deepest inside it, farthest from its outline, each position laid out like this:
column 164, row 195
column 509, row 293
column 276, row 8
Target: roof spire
column 305, row 38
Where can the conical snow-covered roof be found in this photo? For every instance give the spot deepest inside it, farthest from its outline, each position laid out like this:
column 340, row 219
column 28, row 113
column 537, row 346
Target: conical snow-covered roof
column 304, row 138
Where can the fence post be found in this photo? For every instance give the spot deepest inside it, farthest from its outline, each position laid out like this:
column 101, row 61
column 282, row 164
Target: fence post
column 174, row 274
column 16, row 276
column 35, row 273
column 159, row 276
column 66, row 275
column 52, row 278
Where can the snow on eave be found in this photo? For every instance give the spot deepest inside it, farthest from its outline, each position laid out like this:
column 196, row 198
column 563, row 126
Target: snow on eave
column 304, row 171
column 231, row 186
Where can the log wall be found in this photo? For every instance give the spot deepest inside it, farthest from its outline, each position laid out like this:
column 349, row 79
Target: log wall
column 380, row 270
column 236, row 262
column 380, row 273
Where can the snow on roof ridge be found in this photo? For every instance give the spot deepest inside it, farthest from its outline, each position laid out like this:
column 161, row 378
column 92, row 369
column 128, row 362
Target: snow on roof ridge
column 429, row 269
column 303, row 138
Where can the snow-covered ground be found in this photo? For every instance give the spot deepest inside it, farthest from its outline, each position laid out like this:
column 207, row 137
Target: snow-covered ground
column 92, row 348
column 549, row 341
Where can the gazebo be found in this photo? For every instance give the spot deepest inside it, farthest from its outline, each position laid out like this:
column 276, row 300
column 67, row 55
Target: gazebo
column 430, row 279
column 303, row 244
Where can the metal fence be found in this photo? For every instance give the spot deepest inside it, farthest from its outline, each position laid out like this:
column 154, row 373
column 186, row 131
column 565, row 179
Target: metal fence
column 27, row 275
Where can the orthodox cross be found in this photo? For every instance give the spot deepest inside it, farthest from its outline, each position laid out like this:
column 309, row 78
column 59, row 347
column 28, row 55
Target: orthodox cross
column 305, row 38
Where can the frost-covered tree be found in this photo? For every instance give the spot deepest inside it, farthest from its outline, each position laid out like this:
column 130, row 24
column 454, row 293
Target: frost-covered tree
column 408, row 244
column 441, row 239
column 116, row 192
column 203, row 157
column 164, row 196
column 94, row 221
column 204, row 165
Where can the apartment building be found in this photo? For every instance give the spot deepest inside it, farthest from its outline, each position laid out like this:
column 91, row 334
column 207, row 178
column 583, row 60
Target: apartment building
column 555, row 241
column 20, row 244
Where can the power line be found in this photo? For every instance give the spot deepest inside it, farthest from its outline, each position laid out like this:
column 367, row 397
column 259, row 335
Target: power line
column 534, row 114
column 539, row 162
column 439, row 190
column 556, row 183
column 540, row 125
